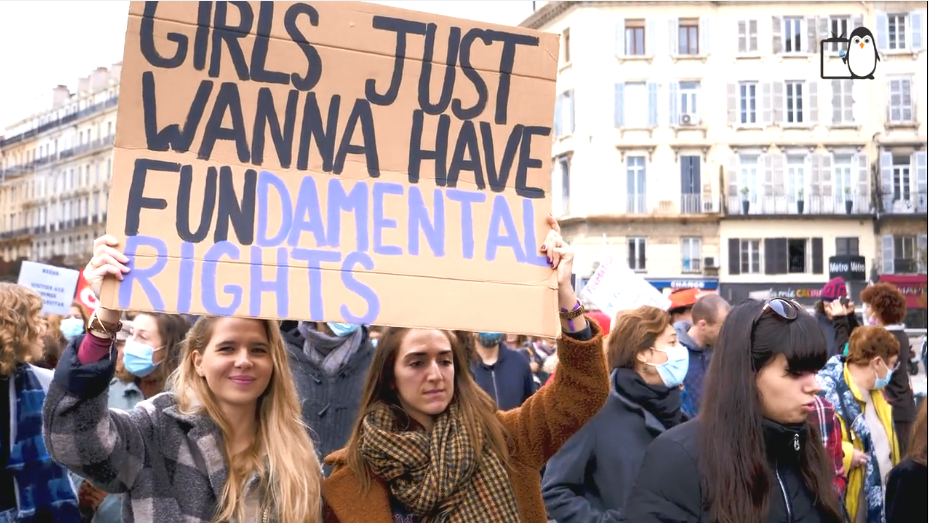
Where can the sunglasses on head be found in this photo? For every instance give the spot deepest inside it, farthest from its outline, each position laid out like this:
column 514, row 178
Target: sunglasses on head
column 787, row 310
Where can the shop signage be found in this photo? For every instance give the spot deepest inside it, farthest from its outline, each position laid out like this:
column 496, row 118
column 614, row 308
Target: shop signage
column 849, row 268
column 703, row 284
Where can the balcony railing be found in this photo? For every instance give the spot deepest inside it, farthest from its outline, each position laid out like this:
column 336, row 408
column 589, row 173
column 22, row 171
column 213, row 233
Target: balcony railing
column 93, row 109
column 698, row 204
column 785, row 205
column 691, row 265
column 895, row 204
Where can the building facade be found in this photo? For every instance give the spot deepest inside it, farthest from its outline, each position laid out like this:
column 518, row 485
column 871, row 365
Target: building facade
column 699, row 139
column 56, row 168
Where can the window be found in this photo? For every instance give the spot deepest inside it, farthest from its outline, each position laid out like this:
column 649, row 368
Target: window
column 566, row 43
column 109, row 168
column 896, row 32
column 842, row 176
column 796, row 179
column 748, row 176
column 748, row 36
column 109, row 128
column 688, row 94
column 843, row 101
column 635, row 184
column 793, row 102
column 901, row 102
column 838, row 27
column 690, row 255
column 688, row 33
column 796, row 255
column 904, row 248
column 635, row 37
column 846, row 246
column 901, row 177
column 563, row 181
column 750, row 253
column 793, row 35
column 635, row 105
column 564, row 114
column 747, row 103
column 636, row 251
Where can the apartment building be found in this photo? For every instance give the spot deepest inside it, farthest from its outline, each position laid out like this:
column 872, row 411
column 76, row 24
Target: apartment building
column 725, row 147
column 55, row 168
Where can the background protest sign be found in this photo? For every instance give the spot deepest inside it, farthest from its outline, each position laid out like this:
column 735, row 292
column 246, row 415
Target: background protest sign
column 334, row 161
column 54, row 284
column 615, row 287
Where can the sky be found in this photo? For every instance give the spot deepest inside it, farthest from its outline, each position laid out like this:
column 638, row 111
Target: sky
column 47, row 43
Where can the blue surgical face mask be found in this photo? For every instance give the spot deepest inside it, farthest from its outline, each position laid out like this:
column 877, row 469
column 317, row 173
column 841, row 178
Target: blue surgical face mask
column 137, row 358
column 879, row 382
column 374, row 342
column 672, row 372
column 342, row 329
column 489, row 339
column 71, row 327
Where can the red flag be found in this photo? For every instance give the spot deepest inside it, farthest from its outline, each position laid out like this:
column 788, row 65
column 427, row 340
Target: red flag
column 85, row 295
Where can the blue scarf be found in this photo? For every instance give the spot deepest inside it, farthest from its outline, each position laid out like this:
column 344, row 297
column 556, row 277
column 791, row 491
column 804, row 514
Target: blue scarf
column 45, row 492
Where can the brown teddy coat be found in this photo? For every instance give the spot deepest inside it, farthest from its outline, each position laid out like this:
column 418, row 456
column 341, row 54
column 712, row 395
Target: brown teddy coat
column 536, row 431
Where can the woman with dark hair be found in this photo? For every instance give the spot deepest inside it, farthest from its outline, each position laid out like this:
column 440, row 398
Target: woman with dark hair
column 753, row 454
column 907, row 483
column 886, row 308
column 591, row 476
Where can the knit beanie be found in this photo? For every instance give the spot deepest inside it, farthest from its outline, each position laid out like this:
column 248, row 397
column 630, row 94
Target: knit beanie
column 834, row 290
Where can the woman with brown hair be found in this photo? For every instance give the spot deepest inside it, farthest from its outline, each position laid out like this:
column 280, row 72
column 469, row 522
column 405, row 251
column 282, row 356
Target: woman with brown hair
column 75, row 323
column 907, row 483
column 430, row 445
column 590, row 478
column 854, row 385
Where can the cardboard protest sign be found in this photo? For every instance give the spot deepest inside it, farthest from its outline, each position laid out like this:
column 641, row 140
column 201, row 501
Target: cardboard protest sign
column 54, row 284
column 615, row 287
column 334, row 161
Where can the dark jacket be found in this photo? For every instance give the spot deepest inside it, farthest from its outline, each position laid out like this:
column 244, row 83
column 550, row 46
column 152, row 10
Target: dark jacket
column 668, row 487
column 696, row 368
column 589, row 479
column 508, row 381
column 906, row 493
column 330, row 404
column 836, row 340
column 899, row 393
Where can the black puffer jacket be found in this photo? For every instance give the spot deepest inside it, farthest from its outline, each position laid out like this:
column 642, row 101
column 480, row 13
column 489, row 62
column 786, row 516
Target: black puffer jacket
column 668, row 487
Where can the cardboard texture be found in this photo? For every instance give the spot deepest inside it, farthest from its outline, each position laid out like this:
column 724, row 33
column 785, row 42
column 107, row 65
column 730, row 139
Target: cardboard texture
column 272, row 161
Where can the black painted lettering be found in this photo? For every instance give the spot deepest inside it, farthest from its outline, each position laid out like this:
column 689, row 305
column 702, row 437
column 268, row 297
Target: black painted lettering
column 147, row 41
column 183, row 205
column 266, row 117
column 312, row 127
column 361, row 114
column 497, row 178
column 466, row 145
column 402, row 28
column 230, row 34
column 227, row 100
column 314, row 63
column 425, row 76
column 418, row 154
column 260, row 50
column 241, row 214
column 171, row 137
column 137, row 200
column 471, row 74
column 526, row 162
column 507, row 59
column 202, row 36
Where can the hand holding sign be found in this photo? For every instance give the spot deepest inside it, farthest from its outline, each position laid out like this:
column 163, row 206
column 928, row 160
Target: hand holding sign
column 107, row 260
column 561, row 257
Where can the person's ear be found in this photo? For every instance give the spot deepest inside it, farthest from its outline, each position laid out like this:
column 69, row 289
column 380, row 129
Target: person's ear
column 641, row 357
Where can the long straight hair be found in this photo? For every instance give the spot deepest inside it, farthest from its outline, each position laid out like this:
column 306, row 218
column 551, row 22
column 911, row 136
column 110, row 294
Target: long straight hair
column 733, row 462
column 916, row 450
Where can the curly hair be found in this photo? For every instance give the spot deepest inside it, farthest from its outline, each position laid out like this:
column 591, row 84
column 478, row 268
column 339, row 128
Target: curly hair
column 868, row 342
column 20, row 324
column 887, row 301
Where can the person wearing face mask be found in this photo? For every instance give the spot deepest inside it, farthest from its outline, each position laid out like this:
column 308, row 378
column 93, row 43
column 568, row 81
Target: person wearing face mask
column 75, row 323
column 329, row 362
column 854, row 385
column 589, row 479
column 503, row 374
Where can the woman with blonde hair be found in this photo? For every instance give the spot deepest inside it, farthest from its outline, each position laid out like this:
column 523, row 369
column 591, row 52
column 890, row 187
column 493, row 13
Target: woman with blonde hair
column 225, row 443
column 430, row 445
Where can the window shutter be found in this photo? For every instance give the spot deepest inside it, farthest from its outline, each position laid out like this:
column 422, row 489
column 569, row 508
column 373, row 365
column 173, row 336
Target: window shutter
column 822, row 27
column 825, row 166
column 673, row 109
column 858, row 21
column 735, row 258
column 630, row 252
column 921, row 253
column 673, row 28
column 887, row 254
column 652, row 104
column 836, row 101
column 734, row 182
column 771, row 264
column 776, row 40
column 570, row 102
column 742, row 36
column 916, row 31
column 777, row 102
column 753, row 36
column 812, row 102
column 558, row 118
column 705, row 37
column 920, row 159
column 619, row 108
column 778, row 165
column 767, row 115
column 887, row 181
column 767, row 183
column 641, row 252
column 811, row 35
column 848, row 101
column 815, row 181
column 732, row 104
column 862, row 165
column 817, row 254
column 882, row 29
column 619, row 38
column 650, row 37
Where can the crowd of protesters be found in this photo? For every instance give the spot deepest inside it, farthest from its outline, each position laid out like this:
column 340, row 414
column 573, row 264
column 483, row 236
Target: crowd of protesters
column 753, row 412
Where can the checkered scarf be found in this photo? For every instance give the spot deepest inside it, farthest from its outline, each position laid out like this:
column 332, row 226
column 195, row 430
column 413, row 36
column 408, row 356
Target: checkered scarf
column 434, row 475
